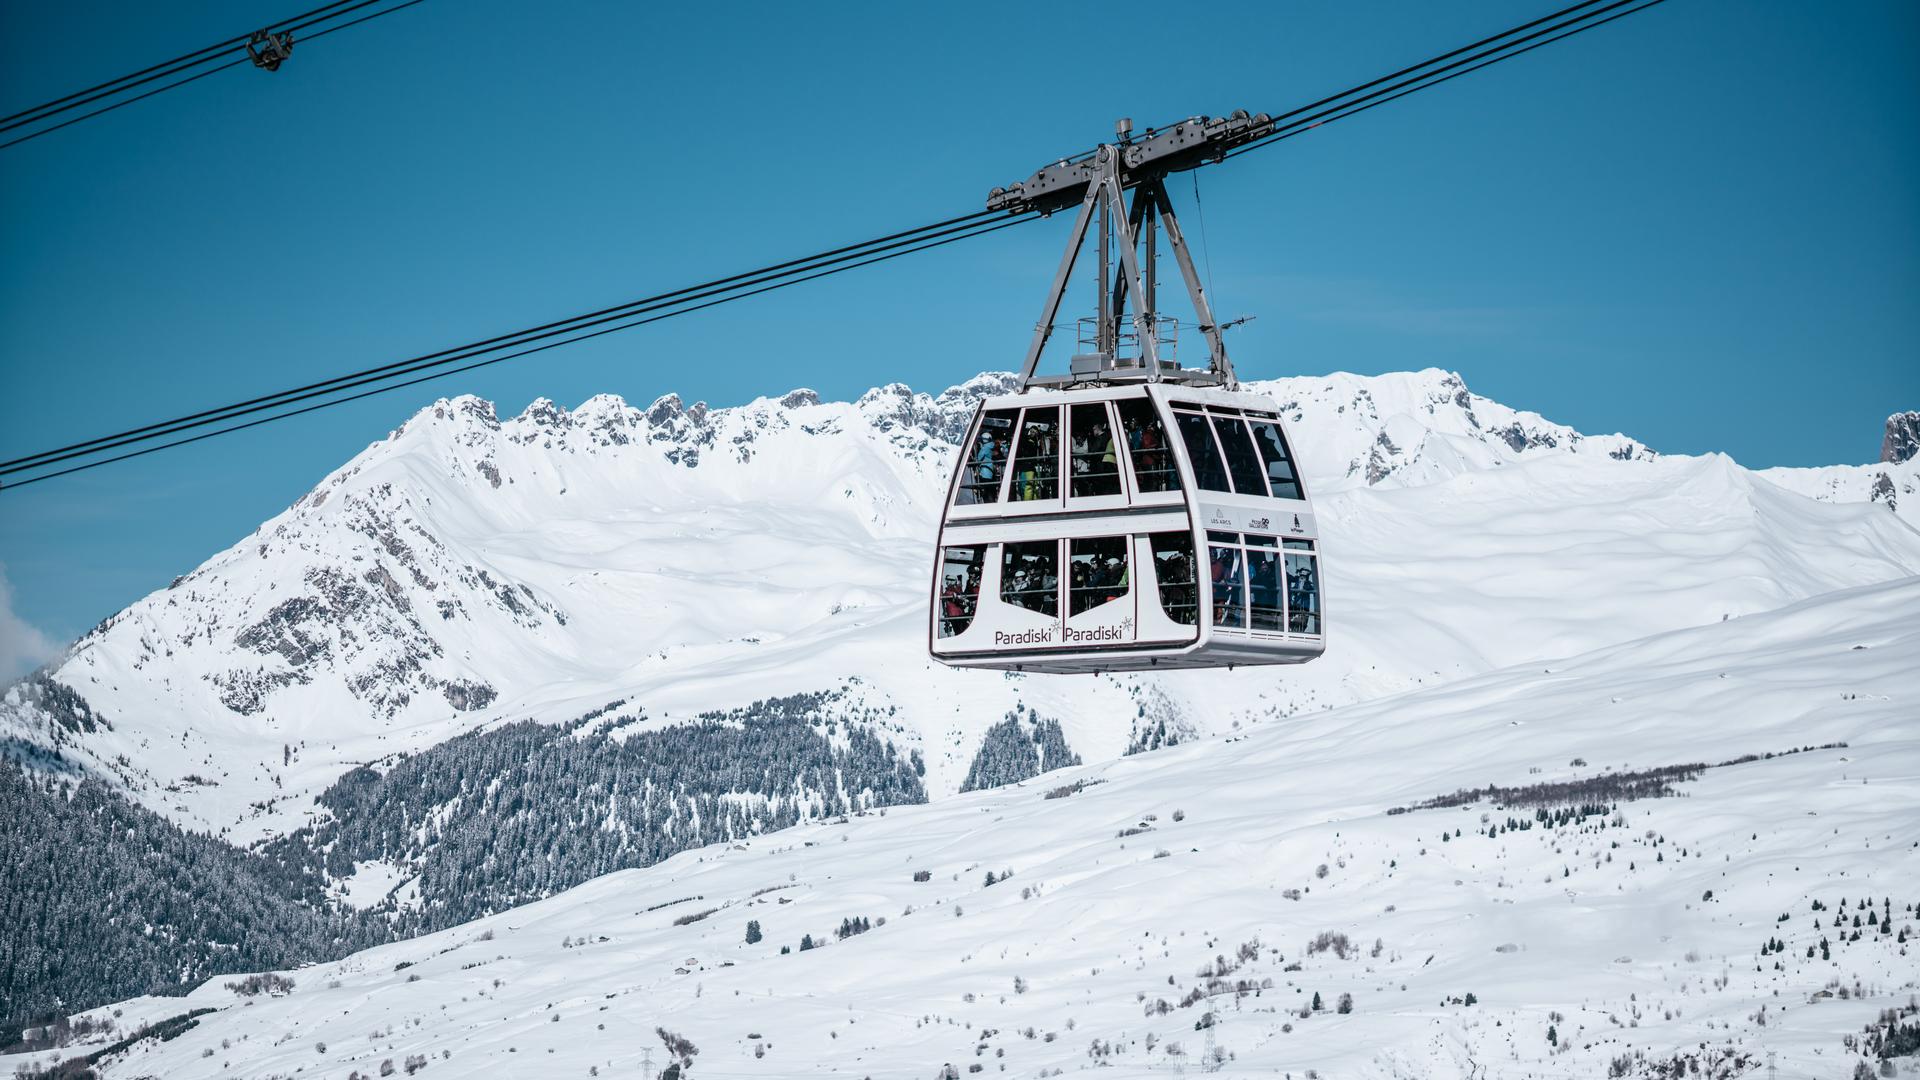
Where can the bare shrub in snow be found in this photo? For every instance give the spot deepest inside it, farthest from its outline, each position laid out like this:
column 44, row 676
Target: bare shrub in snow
column 269, row 983
column 679, row 1046
column 1330, row 940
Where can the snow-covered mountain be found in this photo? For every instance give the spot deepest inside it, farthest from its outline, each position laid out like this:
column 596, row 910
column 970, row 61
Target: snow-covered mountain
column 470, row 570
column 1259, row 904
column 1893, row 481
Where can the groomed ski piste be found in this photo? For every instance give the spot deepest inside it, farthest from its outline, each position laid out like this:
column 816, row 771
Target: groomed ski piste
column 1184, row 910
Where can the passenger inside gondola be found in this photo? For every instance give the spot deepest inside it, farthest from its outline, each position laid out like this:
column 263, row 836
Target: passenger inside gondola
column 1264, row 582
column 1028, row 577
column 1203, row 453
column 985, row 471
column 986, row 460
column 959, row 589
column 1303, row 592
column 1036, row 462
column 1147, row 443
column 1173, row 569
column 1242, row 461
column 1095, row 464
column 1274, row 456
column 1229, row 591
column 1097, row 572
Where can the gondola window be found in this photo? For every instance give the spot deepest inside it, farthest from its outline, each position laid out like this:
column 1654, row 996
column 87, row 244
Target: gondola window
column 1228, row 567
column 1266, row 586
column 1097, row 569
column 1273, row 453
column 1036, row 461
column 1173, row 568
column 959, row 589
column 1242, row 460
column 986, row 461
column 1093, row 457
column 1209, row 469
column 1030, row 576
column 1303, row 588
column 1146, row 436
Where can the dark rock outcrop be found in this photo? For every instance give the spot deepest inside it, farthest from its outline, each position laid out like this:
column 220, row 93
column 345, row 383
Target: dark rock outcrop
column 1902, row 441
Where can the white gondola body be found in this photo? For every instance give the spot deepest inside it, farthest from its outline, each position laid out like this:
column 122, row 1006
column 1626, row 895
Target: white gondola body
column 1142, row 526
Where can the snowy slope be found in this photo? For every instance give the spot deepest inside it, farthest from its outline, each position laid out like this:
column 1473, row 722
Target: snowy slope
column 470, row 569
column 1893, row 482
column 1895, row 485
column 1633, row 932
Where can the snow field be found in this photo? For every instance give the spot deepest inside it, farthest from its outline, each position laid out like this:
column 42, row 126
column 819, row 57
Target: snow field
column 1618, row 948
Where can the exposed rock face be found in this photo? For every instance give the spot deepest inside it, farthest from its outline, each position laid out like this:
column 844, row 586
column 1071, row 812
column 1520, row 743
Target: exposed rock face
column 1902, row 441
column 1883, row 492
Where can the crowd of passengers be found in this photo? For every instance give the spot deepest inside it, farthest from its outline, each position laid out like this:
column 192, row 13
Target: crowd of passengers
column 1038, row 589
column 958, row 599
column 1095, row 461
column 1097, row 581
column 1267, row 581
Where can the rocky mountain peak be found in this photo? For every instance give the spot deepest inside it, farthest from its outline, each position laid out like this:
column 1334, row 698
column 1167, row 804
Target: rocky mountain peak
column 1902, row 440
column 546, row 413
column 668, row 408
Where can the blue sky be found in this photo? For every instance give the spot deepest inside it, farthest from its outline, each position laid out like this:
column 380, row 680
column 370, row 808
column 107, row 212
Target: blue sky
column 1699, row 225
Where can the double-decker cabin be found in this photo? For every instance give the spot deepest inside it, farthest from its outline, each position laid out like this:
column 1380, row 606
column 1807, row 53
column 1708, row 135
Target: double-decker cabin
column 1151, row 525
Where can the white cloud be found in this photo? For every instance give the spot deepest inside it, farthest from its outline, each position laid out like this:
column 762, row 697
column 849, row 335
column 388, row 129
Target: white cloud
column 22, row 647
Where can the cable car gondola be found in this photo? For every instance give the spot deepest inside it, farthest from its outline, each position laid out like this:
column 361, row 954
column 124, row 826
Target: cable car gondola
column 1131, row 514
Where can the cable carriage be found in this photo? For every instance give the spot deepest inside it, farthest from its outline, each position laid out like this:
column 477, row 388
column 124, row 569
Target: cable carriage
column 269, row 50
column 1131, row 514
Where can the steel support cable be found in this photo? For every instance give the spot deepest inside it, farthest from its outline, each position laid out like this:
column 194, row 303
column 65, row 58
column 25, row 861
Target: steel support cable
column 494, row 344
column 1429, row 62
column 172, row 67
column 31, row 135
column 1349, row 105
column 318, row 34
column 47, row 108
column 515, row 339
column 975, row 231
column 453, row 356
column 1442, row 58
column 28, row 137
column 1475, row 62
column 98, row 444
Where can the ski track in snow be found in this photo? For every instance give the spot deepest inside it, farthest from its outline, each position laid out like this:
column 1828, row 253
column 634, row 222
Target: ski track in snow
column 1653, row 944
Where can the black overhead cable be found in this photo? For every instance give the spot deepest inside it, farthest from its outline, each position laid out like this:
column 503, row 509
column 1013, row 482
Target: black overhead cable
column 976, row 231
column 568, row 325
column 1421, row 82
column 1500, row 37
column 46, row 109
column 317, row 34
column 504, row 341
column 1427, row 63
column 1490, row 50
column 121, row 103
column 86, row 97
